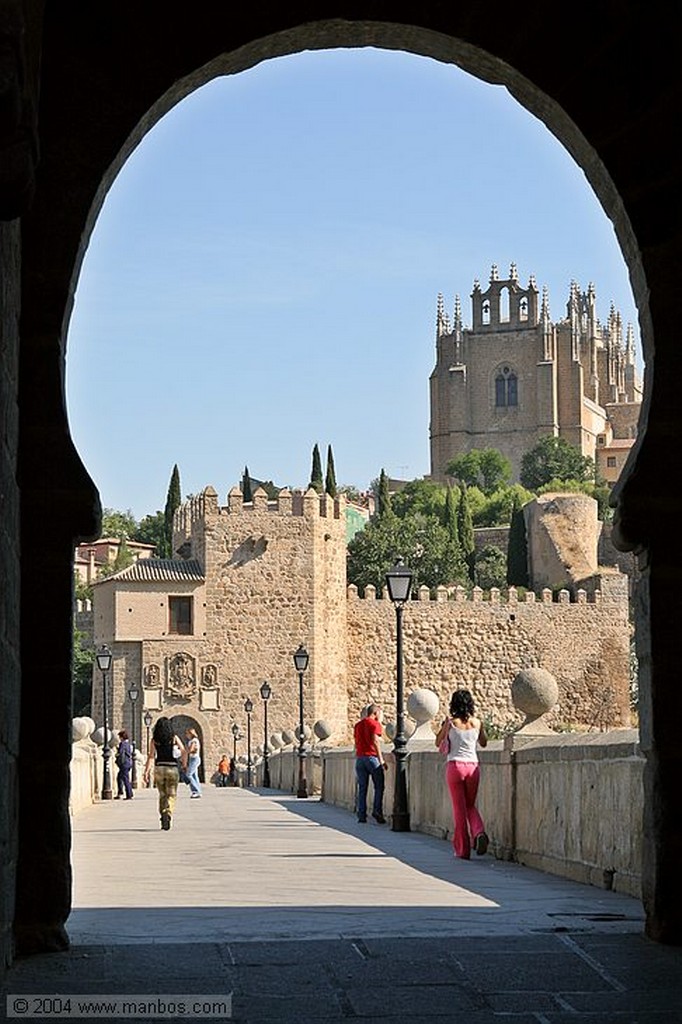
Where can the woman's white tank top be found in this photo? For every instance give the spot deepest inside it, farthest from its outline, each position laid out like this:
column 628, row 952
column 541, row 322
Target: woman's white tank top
column 463, row 744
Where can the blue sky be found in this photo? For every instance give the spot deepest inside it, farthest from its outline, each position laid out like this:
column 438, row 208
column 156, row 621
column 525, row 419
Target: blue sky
column 264, row 273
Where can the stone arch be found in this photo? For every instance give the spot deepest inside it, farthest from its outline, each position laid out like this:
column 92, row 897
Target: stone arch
column 180, row 722
column 81, row 151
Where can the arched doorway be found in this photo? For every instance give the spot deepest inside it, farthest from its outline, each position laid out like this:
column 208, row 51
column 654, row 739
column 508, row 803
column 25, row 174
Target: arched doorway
column 180, row 724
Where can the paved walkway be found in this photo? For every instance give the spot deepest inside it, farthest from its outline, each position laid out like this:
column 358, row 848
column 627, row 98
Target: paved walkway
column 295, row 912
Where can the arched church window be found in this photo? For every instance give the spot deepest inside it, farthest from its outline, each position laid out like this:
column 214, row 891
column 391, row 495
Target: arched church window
column 506, row 388
column 523, row 309
column 485, row 311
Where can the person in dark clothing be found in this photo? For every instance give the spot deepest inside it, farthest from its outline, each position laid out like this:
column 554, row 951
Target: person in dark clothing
column 124, row 763
column 165, row 769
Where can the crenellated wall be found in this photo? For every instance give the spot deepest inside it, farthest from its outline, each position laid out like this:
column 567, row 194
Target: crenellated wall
column 451, row 641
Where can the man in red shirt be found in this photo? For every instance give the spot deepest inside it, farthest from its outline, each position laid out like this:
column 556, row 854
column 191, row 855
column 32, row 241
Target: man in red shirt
column 369, row 763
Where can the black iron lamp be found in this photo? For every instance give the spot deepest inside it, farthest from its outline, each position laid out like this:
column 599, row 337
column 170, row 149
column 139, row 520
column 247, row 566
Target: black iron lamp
column 301, row 659
column 104, row 664
column 399, row 583
column 266, row 694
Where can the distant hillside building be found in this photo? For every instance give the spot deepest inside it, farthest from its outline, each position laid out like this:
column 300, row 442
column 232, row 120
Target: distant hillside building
column 516, row 376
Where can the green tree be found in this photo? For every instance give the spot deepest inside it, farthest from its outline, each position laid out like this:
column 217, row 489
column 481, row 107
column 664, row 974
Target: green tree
column 316, row 481
column 173, row 500
column 152, row 530
column 82, row 658
column 553, row 458
column 490, row 567
column 465, row 528
column 450, row 515
column 330, row 480
column 247, row 492
column 497, row 507
column 421, row 540
column 384, row 508
column 486, row 468
column 121, row 525
column 420, row 496
column 517, row 548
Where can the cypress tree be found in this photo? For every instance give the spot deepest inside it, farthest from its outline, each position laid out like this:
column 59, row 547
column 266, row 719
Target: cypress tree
column 316, row 481
column 173, row 500
column 465, row 527
column 450, row 516
column 384, row 507
column 517, row 547
column 247, row 493
column 330, row 481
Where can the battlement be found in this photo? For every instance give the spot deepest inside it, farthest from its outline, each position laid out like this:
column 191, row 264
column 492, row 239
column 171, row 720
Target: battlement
column 477, row 596
column 309, row 504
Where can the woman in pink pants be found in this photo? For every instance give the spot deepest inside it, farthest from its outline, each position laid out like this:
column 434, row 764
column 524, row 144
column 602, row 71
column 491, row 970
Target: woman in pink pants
column 464, row 733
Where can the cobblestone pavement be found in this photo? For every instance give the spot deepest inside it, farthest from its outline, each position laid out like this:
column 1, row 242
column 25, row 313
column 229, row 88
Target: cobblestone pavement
column 258, row 906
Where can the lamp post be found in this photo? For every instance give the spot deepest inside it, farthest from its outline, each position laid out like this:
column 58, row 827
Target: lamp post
column 148, row 718
column 399, row 583
column 266, row 694
column 104, row 664
column 236, row 735
column 248, row 707
column 133, row 693
column 301, row 663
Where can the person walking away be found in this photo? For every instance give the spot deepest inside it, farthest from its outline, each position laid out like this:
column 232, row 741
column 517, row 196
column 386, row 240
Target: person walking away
column 193, row 762
column 370, row 763
column 464, row 733
column 124, row 763
column 223, row 771
column 165, row 769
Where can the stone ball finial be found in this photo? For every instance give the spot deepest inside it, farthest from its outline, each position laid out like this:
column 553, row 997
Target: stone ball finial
column 287, row 738
column 534, row 692
column 277, row 740
column 81, row 728
column 422, row 707
column 322, row 729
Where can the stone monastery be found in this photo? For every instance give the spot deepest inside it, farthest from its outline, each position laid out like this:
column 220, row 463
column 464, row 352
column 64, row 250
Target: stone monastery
column 515, row 377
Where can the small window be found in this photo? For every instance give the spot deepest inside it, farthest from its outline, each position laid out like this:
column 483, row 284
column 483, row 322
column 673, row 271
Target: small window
column 611, row 461
column 180, row 615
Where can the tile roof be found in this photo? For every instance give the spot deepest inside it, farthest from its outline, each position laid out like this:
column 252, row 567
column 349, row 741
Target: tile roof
column 160, row 570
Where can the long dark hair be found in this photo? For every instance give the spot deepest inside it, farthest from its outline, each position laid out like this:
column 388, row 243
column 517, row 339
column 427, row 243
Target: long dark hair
column 163, row 731
column 462, row 705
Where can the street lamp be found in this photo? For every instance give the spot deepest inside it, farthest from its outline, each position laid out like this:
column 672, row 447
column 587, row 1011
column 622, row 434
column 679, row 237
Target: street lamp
column 236, row 735
column 399, row 583
column 248, row 707
column 133, row 693
column 266, row 693
column 148, row 719
column 104, row 664
column 301, row 663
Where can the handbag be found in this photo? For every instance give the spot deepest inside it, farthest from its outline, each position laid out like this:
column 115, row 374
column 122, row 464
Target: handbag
column 444, row 745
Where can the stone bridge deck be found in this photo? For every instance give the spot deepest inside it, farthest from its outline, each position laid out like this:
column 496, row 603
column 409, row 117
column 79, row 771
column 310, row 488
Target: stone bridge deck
column 301, row 913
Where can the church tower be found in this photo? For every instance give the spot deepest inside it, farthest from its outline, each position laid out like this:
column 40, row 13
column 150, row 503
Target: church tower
column 515, row 376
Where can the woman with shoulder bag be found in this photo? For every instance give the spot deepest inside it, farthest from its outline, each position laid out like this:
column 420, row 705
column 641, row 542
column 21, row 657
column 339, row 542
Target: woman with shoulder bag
column 458, row 738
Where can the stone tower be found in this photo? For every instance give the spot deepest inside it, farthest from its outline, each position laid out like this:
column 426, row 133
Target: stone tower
column 516, row 376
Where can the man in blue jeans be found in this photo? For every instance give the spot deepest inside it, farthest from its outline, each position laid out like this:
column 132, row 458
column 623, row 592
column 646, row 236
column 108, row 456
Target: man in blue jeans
column 369, row 763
